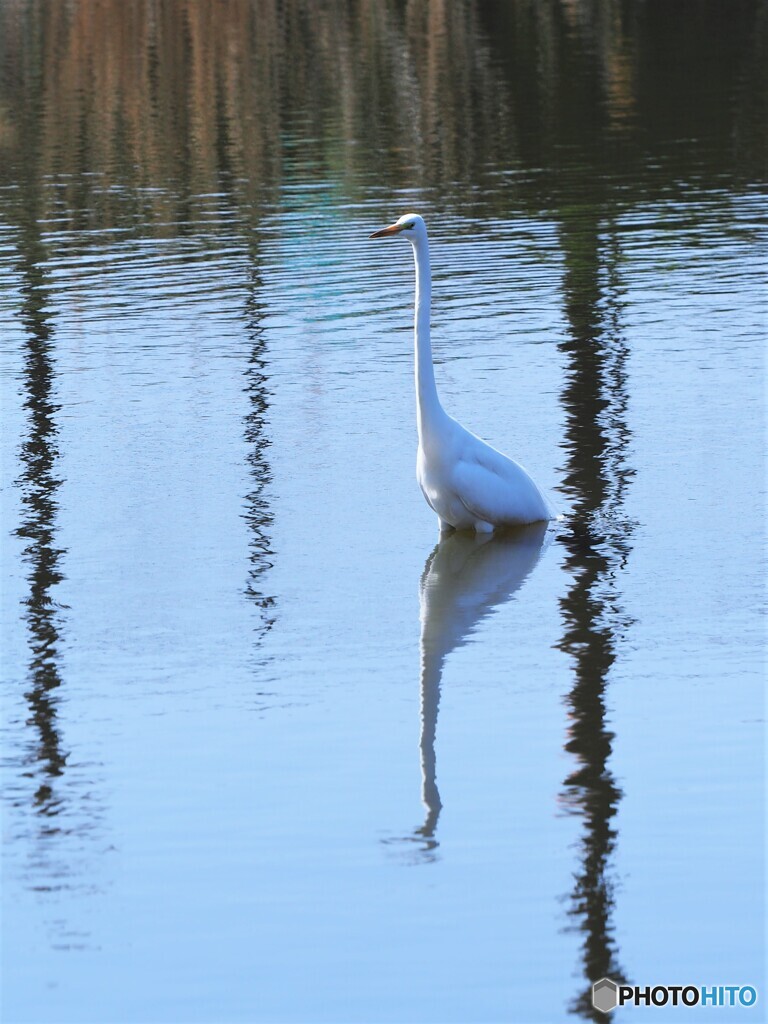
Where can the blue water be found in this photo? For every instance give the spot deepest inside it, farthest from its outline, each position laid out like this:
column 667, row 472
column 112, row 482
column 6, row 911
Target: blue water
column 269, row 754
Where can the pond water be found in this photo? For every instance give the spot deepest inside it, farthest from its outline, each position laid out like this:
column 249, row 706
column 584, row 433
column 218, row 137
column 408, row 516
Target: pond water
column 269, row 753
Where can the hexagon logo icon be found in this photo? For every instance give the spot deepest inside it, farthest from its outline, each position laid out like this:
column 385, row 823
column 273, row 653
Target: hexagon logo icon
column 605, row 995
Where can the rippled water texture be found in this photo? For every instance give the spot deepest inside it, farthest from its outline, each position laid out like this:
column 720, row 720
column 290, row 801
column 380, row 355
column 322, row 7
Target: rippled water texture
column 270, row 754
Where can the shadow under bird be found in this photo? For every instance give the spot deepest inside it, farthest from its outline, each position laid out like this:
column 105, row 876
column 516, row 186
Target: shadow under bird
column 469, row 484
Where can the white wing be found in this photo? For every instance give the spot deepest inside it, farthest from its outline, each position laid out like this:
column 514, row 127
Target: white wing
column 494, row 488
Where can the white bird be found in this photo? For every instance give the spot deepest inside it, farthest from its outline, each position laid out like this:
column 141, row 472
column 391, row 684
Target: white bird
column 469, row 484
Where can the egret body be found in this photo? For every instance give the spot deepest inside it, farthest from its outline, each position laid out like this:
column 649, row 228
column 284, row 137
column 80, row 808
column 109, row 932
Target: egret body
column 469, row 484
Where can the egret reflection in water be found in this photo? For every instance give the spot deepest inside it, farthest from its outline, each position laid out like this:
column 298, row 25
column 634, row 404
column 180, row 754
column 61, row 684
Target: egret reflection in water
column 466, row 578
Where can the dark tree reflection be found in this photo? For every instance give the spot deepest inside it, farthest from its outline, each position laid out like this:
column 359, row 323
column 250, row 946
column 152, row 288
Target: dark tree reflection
column 258, row 512
column 38, row 481
column 39, row 485
column 62, row 795
column 597, row 542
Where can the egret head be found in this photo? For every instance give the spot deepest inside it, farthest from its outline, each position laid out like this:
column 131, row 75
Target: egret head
column 410, row 226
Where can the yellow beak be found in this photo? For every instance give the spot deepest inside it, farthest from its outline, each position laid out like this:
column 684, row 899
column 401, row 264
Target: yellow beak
column 393, row 229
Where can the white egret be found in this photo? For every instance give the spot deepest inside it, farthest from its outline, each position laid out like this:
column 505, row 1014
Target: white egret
column 469, row 484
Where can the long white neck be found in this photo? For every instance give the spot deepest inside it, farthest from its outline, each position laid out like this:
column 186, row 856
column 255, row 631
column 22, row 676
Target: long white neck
column 428, row 409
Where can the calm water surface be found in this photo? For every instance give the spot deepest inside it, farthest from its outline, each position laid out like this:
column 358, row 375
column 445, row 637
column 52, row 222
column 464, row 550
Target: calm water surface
column 269, row 753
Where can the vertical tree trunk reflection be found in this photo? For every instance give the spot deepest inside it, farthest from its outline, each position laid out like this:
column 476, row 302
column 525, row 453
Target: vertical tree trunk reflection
column 597, row 543
column 39, row 485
